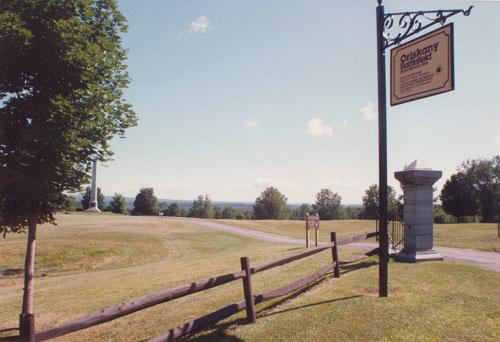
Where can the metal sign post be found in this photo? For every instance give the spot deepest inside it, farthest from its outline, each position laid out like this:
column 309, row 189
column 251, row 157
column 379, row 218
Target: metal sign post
column 408, row 24
column 382, row 156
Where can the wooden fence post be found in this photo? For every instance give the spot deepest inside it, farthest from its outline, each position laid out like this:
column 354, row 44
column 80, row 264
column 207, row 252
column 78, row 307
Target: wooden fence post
column 335, row 255
column 307, row 230
column 247, row 290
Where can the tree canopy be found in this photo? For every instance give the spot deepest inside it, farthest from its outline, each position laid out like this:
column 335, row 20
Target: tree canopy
column 202, row 207
column 118, row 205
column 145, row 202
column 474, row 190
column 300, row 212
column 62, row 76
column 328, row 204
column 371, row 202
column 458, row 196
column 271, row 204
column 173, row 209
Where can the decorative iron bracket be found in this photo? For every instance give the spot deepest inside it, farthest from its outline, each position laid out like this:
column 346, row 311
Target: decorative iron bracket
column 411, row 23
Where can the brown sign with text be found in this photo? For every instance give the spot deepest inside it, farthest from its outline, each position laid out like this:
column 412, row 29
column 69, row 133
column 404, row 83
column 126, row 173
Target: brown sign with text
column 423, row 67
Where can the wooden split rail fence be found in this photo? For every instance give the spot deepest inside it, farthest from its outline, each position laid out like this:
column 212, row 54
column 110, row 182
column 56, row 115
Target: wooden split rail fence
column 248, row 303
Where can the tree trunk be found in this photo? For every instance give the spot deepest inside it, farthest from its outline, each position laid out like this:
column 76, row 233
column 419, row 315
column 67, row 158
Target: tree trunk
column 27, row 318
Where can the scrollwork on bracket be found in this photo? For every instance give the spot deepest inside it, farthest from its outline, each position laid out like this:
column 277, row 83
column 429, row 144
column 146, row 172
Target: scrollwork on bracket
column 399, row 26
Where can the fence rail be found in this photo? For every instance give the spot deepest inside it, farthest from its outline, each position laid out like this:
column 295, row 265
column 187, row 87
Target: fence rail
column 248, row 303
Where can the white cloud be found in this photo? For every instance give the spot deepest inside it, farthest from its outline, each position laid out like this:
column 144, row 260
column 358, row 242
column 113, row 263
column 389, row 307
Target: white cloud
column 318, row 128
column 369, row 111
column 496, row 139
column 345, row 123
column 251, row 122
column 201, row 24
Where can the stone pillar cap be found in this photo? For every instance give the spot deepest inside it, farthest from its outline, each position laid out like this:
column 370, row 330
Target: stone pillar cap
column 416, row 165
column 417, row 173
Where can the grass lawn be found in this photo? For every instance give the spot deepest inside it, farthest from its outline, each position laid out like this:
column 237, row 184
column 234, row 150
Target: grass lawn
column 483, row 236
column 428, row 302
column 94, row 261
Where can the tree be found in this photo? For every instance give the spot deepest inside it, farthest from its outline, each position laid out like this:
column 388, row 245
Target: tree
column 350, row 213
column 232, row 213
column 62, row 76
column 458, row 196
column 69, row 204
column 145, row 202
column 217, row 212
column 440, row 216
column 173, row 209
column 370, row 203
column 474, row 190
column 118, row 204
column 86, row 199
column 300, row 212
column 371, row 200
column 485, row 175
column 202, row 207
column 271, row 204
column 327, row 204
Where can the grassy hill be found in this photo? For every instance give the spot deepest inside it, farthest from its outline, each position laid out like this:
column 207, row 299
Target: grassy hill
column 91, row 261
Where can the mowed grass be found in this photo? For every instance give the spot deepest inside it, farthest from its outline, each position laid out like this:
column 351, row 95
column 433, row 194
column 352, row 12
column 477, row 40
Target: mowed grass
column 140, row 255
column 427, row 302
column 90, row 262
column 483, row 236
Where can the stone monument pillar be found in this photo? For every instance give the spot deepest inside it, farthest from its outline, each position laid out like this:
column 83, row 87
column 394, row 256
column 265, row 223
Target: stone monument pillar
column 417, row 181
column 93, row 206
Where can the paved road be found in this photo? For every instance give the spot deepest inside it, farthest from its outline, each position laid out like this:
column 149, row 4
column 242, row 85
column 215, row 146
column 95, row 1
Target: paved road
column 487, row 260
column 249, row 233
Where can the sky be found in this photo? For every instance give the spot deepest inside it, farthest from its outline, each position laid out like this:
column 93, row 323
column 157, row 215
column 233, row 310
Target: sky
column 234, row 96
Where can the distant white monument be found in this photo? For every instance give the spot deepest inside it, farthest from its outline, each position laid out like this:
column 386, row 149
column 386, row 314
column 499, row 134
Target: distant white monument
column 93, row 206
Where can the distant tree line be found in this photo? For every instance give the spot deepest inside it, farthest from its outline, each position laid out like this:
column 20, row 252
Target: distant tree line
column 271, row 204
column 472, row 194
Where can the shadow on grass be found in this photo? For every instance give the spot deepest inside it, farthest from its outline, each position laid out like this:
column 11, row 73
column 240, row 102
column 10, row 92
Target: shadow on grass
column 354, row 267
column 220, row 332
column 313, row 304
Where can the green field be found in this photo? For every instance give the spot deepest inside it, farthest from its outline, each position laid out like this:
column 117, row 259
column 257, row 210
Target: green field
column 483, row 236
column 89, row 262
